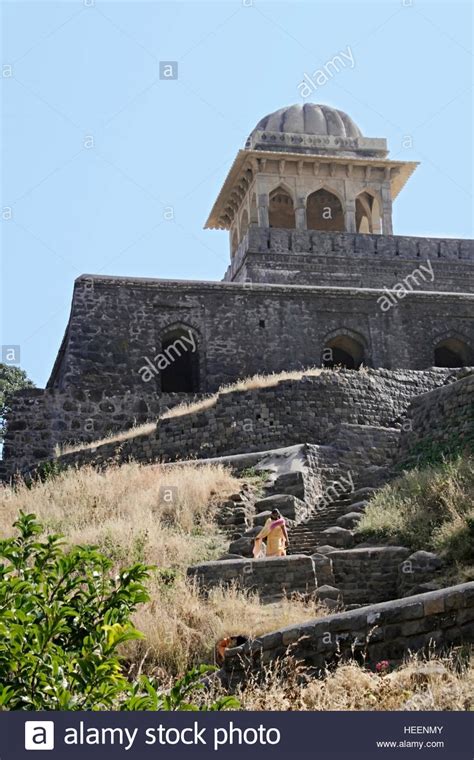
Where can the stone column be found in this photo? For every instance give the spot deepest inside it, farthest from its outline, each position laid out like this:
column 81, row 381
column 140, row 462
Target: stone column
column 350, row 215
column 376, row 221
column 387, row 227
column 262, row 210
column 300, row 214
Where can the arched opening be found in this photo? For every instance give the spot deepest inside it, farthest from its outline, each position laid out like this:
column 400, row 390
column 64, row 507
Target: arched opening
column 281, row 212
column 363, row 208
column 453, row 352
column 324, row 212
column 179, row 361
column 343, row 351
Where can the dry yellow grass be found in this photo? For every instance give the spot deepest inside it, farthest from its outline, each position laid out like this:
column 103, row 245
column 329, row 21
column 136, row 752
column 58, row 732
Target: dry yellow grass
column 246, row 384
column 155, row 514
column 121, row 511
column 68, row 448
column 181, row 628
column 438, row 684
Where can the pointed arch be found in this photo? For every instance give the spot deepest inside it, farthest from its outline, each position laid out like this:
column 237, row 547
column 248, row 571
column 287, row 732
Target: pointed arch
column 344, row 348
column 325, row 211
column 281, row 209
column 452, row 350
column 368, row 211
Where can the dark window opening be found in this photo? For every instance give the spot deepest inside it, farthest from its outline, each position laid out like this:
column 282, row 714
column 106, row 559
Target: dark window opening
column 281, row 212
column 344, row 352
column 324, row 212
column 453, row 353
column 181, row 375
column 340, row 358
column 262, row 323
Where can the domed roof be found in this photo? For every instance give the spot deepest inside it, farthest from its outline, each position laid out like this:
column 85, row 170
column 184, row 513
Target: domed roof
column 310, row 119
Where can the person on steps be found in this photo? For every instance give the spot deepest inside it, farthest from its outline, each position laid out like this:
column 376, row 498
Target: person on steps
column 276, row 534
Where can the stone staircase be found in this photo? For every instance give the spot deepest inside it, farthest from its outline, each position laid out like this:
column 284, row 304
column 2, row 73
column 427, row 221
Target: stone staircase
column 306, row 537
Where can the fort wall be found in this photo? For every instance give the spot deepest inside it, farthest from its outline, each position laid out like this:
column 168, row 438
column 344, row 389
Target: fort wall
column 440, row 421
column 381, row 631
column 350, row 259
column 358, row 412
column 117, row 326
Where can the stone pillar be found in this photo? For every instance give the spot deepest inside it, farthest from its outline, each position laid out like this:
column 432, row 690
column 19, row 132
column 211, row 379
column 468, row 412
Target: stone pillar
column 350, row 215
column 387, row 227
column 376, row 221
column 262, row 210
column 300, row 214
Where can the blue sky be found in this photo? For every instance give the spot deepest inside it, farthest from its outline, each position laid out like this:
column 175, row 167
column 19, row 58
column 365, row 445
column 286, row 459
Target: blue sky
column 96, row 147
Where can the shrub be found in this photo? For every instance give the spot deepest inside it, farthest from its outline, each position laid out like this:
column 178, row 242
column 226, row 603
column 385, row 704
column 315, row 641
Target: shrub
column 62, row 621
column 121, row 511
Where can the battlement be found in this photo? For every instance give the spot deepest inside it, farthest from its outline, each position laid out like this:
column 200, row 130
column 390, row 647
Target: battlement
column 273, row 255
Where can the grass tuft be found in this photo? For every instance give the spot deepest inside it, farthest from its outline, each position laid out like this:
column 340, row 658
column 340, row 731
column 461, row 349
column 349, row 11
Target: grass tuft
column 430, row 508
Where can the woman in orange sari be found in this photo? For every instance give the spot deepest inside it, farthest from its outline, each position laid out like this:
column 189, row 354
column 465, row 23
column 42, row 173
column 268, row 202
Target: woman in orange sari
column 276, row 534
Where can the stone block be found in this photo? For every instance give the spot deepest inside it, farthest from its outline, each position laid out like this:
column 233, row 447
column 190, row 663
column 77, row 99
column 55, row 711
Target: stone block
column 243, row 546
column 290, row 636
column 349, row 520
column 289, row 506
column 358, row 506
column 328, row 592
column 434, row 605
column 326, row 549
column 261, row 518
column 449, row 249
column 339, row 537
column 279, row 240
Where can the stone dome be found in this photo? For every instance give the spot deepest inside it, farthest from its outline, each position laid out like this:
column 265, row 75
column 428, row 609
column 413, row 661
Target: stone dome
column 310, row 119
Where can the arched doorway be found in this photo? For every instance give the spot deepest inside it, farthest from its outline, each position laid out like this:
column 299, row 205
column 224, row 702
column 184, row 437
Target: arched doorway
column 179, row 361
column 343, row 351
column 281, row 212
column 363, row 209
column 324, row 212
column 453, row 352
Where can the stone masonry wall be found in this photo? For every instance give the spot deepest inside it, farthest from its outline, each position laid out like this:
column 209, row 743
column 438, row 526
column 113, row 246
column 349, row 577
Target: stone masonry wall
column 364, row 576
column 440, row 421
column 328, row 408
column 368, row 575
column 295, row 411
column 346, row 259
column 273, row 578
column 380, row 631
column 116, row 324
column 40, row 420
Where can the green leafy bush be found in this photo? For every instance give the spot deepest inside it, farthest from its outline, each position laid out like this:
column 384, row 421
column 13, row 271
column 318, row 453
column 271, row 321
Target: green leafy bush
column 63, row 619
